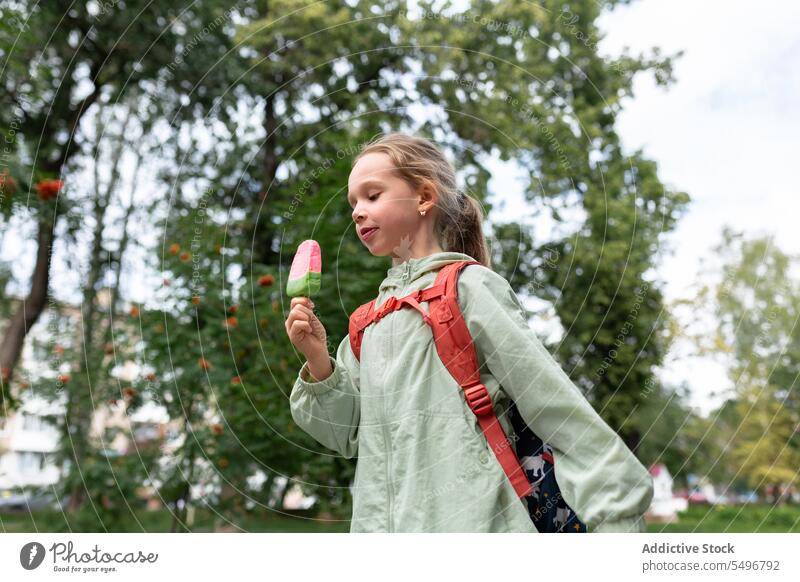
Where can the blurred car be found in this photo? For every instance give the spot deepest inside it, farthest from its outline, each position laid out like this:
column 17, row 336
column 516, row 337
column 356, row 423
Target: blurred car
column 747, row 497
column 697, row 497
column 19, row 500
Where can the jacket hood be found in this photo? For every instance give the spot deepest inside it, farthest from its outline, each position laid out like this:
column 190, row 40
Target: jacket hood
column 411, row 269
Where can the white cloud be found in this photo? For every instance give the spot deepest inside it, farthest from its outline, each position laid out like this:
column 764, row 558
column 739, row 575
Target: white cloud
column 725, row 132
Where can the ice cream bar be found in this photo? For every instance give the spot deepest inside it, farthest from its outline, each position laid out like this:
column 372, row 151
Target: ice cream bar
column 305, row 276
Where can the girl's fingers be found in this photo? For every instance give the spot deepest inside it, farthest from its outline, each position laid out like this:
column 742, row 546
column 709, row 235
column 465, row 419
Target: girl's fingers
column 299, row 312
column 301, row 319
column 302, row 301
column 291, row 326
column 303, row 309
column 301, row 326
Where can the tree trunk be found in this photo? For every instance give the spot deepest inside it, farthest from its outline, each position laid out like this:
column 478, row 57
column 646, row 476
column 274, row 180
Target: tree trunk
column 632, row 438
column 32, row 306
column 266, row 489
column 284, row 491
column 76, row 499
column 179, row 516
column 266, row 232
column 79, row 403
column 107, row 335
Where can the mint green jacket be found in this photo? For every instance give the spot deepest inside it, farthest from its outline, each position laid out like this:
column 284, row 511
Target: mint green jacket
column 423, row 463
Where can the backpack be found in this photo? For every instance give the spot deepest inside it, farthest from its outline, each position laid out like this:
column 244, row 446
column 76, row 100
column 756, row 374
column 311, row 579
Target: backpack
column 534, row 479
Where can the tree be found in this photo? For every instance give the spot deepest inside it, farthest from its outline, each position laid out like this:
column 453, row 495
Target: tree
column 61, row 59
column 756, row 301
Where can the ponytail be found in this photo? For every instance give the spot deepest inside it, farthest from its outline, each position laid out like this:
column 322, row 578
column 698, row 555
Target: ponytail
column 462, row 231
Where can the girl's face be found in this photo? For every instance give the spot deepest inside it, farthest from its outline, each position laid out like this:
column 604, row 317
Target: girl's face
column 385, row 203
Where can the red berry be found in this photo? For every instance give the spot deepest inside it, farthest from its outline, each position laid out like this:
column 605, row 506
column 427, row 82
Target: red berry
column 49, row 189
column 8, row 185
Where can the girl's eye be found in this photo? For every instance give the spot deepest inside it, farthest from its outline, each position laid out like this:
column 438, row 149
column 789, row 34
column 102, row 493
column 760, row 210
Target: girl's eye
column 374, row 196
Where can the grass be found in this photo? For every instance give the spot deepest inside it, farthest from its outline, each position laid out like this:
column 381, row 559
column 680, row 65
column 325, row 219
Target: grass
column 699, row 519
column 161, row 522
column 734, row 519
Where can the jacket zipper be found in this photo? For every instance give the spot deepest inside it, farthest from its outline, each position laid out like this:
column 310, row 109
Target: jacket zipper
column 389, row 491
column 389, row 486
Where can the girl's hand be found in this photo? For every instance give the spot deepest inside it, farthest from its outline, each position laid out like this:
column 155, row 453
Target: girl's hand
column 305, row 331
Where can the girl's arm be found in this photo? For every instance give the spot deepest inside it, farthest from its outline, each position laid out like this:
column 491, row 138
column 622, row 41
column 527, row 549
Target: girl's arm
column 600, row 478
column 329, row 410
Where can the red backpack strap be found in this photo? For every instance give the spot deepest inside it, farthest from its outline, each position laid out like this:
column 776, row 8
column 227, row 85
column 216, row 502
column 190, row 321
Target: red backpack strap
column 366, row 314
column 457, row 352
column 359, row 320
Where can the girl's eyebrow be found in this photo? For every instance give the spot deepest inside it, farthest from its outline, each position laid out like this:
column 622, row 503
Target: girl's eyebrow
column 363, row 185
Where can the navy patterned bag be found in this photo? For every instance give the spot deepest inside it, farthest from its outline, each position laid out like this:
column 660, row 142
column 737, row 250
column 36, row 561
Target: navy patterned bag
column 546, row 506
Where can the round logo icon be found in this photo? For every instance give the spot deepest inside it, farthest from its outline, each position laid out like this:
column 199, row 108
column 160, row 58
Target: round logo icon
column 31, row 555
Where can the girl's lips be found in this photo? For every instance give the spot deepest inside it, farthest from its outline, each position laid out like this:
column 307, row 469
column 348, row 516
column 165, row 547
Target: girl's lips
column 368, row 234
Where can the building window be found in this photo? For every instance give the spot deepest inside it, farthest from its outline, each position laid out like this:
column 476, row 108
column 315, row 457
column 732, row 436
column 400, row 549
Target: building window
column 31, row 462
column 32, row 422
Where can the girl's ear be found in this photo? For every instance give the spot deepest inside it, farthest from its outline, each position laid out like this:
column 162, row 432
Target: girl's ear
column 428, row 196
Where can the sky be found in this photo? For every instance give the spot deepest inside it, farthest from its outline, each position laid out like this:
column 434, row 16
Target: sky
column 725, row 132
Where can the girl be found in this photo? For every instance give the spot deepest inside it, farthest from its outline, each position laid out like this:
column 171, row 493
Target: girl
column 423, row 462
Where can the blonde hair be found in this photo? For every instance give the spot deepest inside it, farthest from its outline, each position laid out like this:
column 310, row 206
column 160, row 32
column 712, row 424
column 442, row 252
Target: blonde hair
column 460, row 217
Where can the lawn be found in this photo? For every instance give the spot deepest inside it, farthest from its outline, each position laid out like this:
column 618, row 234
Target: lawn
column 161, row 521
column 734, row 518
column 700, row 519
